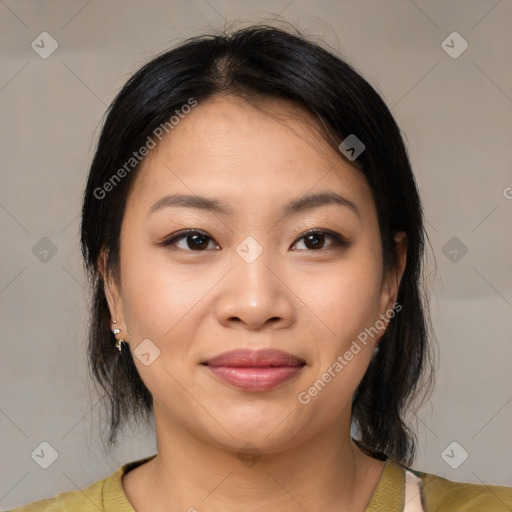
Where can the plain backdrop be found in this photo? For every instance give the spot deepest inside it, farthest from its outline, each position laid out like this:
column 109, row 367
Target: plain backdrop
column 454, row 106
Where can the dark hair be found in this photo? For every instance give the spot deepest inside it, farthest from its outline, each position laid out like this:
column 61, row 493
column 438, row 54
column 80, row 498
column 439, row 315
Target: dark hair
column 254, row 63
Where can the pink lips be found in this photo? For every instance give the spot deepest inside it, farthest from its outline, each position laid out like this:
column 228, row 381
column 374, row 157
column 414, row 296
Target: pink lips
column 255, row 370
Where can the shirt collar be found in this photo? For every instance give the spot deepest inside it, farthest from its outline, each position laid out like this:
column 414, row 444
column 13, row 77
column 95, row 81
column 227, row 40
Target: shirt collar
column 387, row 497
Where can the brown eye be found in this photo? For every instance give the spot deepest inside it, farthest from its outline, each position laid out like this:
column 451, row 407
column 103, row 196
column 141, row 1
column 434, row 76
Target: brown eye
column 315, row 240
column 194, row 241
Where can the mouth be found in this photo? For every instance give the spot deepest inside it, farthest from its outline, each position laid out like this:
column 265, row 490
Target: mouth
column 253, row 370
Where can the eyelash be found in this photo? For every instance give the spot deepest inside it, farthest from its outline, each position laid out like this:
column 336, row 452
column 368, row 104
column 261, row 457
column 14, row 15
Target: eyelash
column 339, row 241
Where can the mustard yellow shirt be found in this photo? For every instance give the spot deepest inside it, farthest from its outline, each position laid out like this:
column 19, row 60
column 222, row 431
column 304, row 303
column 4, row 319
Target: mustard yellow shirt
column 437, row 494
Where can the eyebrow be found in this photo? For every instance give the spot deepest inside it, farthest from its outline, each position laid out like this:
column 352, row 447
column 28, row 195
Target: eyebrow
column 294, row 207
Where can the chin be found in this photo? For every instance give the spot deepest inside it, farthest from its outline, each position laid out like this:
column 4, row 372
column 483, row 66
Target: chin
column 268, row 429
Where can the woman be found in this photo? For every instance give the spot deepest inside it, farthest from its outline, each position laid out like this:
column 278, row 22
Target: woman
column 254, row 238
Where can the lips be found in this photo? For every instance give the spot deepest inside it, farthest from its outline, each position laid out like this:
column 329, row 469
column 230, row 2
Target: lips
column 253, row 370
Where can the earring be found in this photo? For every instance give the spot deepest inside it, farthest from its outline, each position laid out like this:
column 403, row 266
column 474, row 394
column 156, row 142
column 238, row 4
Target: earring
column 119, row 343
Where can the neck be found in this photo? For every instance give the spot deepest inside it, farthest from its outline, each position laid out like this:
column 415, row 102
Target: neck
column 190, row 474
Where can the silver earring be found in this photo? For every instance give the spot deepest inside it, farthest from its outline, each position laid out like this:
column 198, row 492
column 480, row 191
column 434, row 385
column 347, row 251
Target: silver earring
column 119, row 343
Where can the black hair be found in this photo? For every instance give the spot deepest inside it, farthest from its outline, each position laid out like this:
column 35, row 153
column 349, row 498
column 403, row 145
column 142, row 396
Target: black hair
column 262, row 61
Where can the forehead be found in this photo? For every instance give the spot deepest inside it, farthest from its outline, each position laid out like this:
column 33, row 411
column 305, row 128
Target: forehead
column 260, row 153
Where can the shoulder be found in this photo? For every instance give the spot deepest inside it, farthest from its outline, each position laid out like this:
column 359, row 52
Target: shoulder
column 106, row 494
column 86, row 500
column 46, row 505
column 443, row 495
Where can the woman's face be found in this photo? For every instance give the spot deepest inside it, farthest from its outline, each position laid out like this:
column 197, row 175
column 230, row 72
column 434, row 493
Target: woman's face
column 249, row 278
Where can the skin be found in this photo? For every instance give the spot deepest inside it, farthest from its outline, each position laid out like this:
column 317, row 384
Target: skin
column 195, row 304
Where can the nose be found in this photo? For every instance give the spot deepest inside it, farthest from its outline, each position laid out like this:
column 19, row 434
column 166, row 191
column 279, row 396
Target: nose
column 256, row 295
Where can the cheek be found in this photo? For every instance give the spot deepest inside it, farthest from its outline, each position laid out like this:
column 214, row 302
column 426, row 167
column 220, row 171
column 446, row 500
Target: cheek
column 348, row 305
column 157, row 296
column 348, row 297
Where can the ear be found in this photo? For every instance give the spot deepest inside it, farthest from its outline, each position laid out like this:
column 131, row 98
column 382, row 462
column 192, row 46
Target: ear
column 112, row 292
column 391, row 282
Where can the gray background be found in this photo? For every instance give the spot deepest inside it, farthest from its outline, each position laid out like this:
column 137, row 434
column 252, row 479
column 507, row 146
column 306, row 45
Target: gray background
column 455, row 113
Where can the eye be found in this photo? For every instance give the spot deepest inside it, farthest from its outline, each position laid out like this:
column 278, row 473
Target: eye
column 198, row 241
column 315, row 239
column 194, row 240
